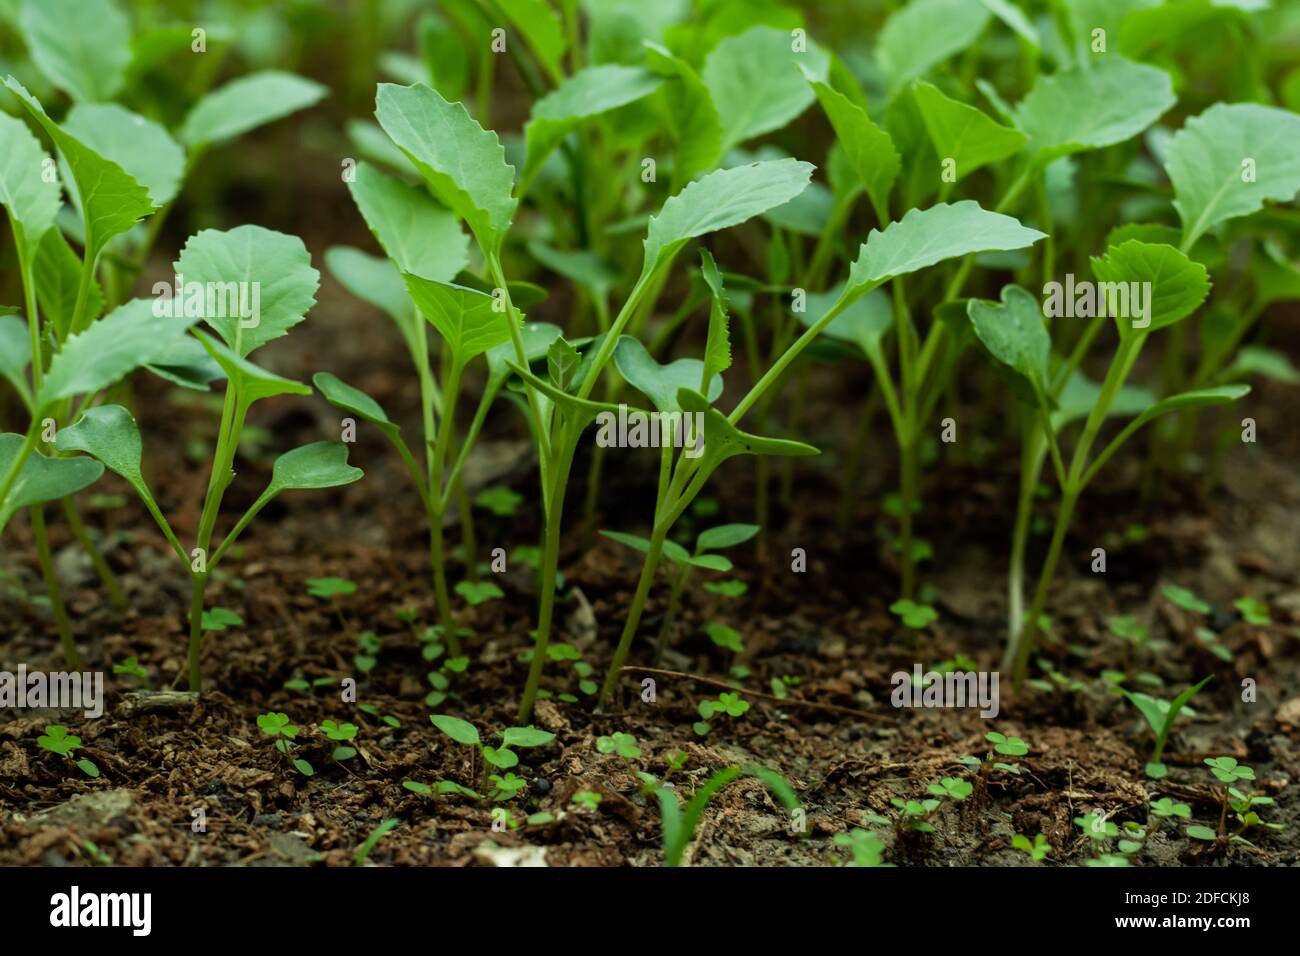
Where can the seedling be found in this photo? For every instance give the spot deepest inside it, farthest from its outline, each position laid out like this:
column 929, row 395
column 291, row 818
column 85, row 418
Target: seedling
column 131, row 668
column 57, row 740
column 954, row 788
column 679, row 826
column 1253, row 612
column 1037, row 849
column 368, row 845
column 726, row 704
column 705, row 556
column 340, row 733
column 913, row 615
column 277, row 726
column 865, row 847
column 497, row 755
column 624, row 745
column 586, row 800
column 1161, row 716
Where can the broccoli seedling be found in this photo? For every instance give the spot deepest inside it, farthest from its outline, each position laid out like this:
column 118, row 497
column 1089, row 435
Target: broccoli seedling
column 57, row 740
column 277, row 726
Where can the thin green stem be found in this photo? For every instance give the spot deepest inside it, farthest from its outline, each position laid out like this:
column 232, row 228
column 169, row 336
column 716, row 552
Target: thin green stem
column 70, row 653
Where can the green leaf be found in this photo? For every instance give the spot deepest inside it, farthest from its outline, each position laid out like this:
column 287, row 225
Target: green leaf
column 1014, row 333
column 925, row 237
column 322, row 464
column 1265, row 362
column 725, row 536
column 541, row 29
column 537, row 340
column 717, row 347
column 1015, row 18
column 109, row 434
column 691, row 118
column 15, row 354
column 128, row 337
column 461, row 731
column 1091, row 108
column 720, row 200
column 254, row 383
column 58, row 277
column 245, row 104
column 377, row 281
column 468, row 321
column 526, row 737
column 31, row 201
column 139, row 146
column 40, row 478
column 353, row 400
column 83, row 47
column 562, row 361
column 1228, row 161
column 477, row 592
column 588, row 93
column 420, row 236
column 460, row 161
column 868, row 148
column 963, row 133
column 660, row 383
column 863, row 323
column 924, row 33
column 1177, row 285
column 111, row 200
column 633, row 541
column 723, row 440
column 256, row 284
column 754, row 80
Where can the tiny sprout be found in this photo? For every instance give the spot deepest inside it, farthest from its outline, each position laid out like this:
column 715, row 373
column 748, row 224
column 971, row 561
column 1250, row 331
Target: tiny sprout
column 340, row 732
column 1228, row 770
column 57, row 740
column 131, row 668
column 277, row 726
column 913, row 615
column 1165, row 807
column 866, row 848
column 730, row 588
column 732, row 705
column 1161, row 716
column 219, row 618
column 952, row 787
column 507, row 786
column 1128, row 627
column 502, row 502
column 1037, row 850
column 1186, row 599
column 622, row 744
column 327, row 588
column 916, row 813
column 586, row 799
column 478, row 592
column 728, row 638
column 1097, row 827
column 1253, row 611
column 1008, row 746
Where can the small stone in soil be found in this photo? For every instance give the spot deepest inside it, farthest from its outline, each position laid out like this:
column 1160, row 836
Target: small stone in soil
column 540, row 786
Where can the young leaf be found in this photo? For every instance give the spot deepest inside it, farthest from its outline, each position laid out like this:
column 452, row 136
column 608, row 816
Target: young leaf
column 245, row 104
column 1177, row 285
column 595, row 90
column 1092, row 107
column 253, row 383
column 15, row 354
column 58, row 278
column 526, row 737
column 140, row 146
column 1015, row 18
column 924, row 33
column 692, row 119
column 462, row 163
column 40, row 478
column 1014, row 333
column 468, row 321
column 963, row 133
column 562, row 361
column 863, row 323
column 128, row 337
column 537, row 338
column 660, row 383
column 322, row 464
column 755, row 84
column 82, row 47
column 31, row 201
column 723, row 440
column 1207, row 163
column 375, row 280
column 111, row 200
column 257, row 283
column 725, row 536
column 927, row 236
column 868, row 148
column 542, row 29
column 420, row 236
column 717, row 346
column 108, row 433
column 353, row 400
column 461, row 731
column 720, row 200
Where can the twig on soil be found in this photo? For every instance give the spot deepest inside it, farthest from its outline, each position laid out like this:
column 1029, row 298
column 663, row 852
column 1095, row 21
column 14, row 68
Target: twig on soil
column 681, row 675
